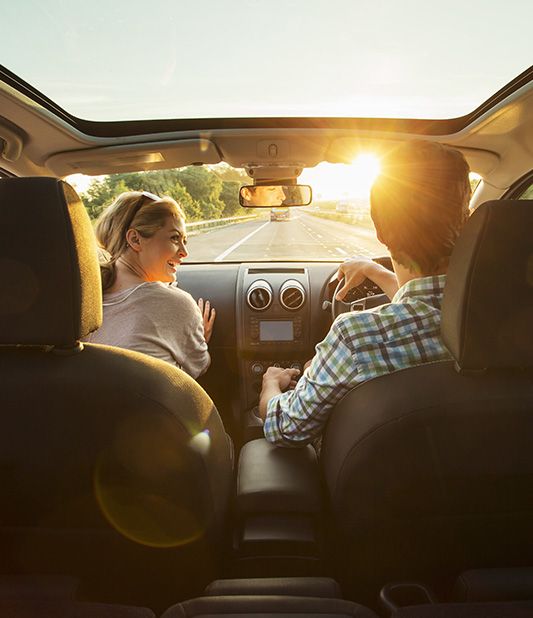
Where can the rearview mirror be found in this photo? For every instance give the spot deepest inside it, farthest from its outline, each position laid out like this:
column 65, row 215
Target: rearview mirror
column 268, row 196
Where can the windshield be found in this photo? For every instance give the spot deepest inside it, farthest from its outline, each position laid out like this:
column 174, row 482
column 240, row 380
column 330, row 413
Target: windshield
column 335, row 225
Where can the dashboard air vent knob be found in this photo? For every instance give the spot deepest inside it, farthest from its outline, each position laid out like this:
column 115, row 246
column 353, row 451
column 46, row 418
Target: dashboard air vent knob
column 292, row 295
column 259, row 295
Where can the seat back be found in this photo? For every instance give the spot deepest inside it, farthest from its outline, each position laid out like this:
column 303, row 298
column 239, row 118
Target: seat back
column 430, row 469
column 115, row 466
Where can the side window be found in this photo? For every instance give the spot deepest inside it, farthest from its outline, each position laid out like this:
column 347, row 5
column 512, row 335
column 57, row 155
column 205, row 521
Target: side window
column 527, row 194
column 522, row 188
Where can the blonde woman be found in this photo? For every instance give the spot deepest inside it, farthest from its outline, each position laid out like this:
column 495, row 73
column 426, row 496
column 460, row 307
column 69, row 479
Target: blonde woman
column 144, row 236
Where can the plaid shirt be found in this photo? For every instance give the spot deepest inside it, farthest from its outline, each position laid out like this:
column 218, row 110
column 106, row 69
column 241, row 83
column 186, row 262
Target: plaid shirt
column 359, row 347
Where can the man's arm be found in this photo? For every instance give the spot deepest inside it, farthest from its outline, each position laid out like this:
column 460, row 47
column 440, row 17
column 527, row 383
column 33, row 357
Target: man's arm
column 356, row 269
column 296, row 417
column 275, row 381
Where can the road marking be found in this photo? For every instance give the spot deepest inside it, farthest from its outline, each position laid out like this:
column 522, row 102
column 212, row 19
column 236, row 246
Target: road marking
column 220, row 257
column 341, row 251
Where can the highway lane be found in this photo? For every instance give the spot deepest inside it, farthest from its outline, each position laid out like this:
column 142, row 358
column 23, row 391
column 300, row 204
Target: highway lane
column 304, row 237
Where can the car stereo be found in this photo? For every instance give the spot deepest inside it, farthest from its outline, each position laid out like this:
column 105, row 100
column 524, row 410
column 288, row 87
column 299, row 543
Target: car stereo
column 275, row 331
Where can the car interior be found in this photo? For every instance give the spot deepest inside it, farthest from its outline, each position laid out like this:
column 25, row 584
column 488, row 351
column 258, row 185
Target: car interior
column 130, row 489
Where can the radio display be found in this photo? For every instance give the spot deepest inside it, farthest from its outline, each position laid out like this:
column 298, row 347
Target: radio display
column 276, row 330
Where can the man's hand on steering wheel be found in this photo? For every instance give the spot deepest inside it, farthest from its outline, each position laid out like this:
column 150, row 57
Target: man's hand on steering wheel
column 355, row 270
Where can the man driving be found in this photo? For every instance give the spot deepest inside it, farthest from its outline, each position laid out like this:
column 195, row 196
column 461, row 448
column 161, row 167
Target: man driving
column 263, row 195
column 419, row 204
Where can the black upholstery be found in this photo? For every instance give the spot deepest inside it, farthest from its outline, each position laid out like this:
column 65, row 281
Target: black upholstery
column 487, row 310
column 323, row 587
column 267, row 605
column 272, row 479
column 115, row 466
column 520, row 609
column 66, row 609
column 49, row 277
column 494, row 585
column 430, row 472
column 42, row 587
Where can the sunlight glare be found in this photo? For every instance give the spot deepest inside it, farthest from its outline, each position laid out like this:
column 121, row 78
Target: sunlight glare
column 366, row 168
column 338, row 181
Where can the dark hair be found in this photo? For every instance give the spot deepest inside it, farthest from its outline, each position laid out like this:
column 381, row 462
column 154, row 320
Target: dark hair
column 419, row 203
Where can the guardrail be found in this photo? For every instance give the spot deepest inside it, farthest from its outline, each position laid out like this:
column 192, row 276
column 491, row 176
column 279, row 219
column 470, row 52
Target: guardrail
column 198, row 226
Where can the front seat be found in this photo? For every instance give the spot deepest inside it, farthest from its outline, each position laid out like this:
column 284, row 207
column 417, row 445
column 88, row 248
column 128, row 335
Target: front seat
column 430, row 469
column 114, row 467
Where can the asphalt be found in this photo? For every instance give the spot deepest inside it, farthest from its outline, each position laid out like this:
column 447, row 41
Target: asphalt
column 304, row 238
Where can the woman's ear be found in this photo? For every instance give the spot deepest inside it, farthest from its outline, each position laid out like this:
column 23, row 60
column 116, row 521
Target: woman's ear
column 133, row 239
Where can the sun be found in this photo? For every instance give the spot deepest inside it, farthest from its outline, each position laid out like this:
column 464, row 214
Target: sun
column 332, row 181
column 366, row 168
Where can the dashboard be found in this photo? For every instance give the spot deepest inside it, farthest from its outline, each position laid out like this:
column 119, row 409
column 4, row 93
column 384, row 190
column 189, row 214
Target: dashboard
column 269, row 313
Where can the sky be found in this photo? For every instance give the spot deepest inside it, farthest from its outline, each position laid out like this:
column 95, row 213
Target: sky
column 134, row 59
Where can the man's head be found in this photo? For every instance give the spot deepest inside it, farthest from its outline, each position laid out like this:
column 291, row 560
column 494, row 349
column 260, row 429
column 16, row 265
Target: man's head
column 419, row 204
column 259, row 195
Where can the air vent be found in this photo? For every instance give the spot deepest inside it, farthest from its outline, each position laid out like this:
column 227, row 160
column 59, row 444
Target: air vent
column 259, row 295
column 282, row 271
column 292, row 295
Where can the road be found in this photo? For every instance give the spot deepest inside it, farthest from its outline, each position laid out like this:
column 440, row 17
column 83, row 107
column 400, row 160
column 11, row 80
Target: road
column 304, row 237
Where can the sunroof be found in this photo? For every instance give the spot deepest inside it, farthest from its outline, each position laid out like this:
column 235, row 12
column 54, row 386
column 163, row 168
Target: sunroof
column 164, row 59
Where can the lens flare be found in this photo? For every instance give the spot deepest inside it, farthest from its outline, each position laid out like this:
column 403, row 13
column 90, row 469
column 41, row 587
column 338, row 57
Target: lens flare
column 365, row 169
column 143, row 482
column 340, row 181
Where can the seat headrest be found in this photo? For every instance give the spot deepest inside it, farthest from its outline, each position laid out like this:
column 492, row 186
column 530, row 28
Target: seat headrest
column 50, row 289
column 487, row 309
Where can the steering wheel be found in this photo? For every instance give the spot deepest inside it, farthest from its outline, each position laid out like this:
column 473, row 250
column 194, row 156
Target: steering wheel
column 361, row 302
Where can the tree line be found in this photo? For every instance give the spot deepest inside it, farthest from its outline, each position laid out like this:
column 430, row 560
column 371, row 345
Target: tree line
column 203, row 193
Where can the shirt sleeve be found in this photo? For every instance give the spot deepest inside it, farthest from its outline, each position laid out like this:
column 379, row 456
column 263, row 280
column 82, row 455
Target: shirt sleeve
column 296, row 417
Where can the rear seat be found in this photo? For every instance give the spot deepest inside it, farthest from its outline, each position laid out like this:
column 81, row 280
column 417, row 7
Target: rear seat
column 517, row 609
column 272, row 596
column 55, row 597
column 46, row 608
column 477, row 593
column 267, row 605
column 494, row 585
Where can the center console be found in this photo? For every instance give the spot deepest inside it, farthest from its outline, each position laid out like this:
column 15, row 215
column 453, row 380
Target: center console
column 273, row 314
column 279, row 498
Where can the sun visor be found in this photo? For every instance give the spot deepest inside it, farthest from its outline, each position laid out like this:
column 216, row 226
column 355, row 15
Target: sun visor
column 134, row 157
column 346, row 149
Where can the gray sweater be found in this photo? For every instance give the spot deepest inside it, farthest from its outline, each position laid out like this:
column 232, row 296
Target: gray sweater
column 158, row 320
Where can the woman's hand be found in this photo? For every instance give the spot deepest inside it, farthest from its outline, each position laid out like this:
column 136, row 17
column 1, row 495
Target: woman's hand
column 208, row 316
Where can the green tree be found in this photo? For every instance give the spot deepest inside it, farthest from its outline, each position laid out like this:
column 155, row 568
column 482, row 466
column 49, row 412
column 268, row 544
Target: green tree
column 230, row 197
column 226, row 172
column 202, row 192
column 101, row 193
column 204, row 187
column 190, row 207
